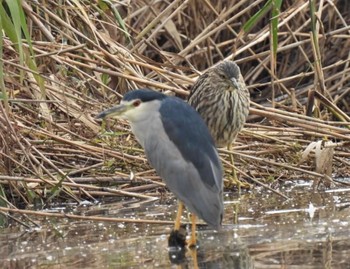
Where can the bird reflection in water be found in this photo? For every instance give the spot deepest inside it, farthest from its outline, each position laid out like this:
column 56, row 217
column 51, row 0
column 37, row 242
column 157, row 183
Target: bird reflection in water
column 235, row 257
column 177, row 249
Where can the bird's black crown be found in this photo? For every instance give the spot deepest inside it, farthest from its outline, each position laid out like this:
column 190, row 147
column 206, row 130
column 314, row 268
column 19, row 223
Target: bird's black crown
column 145, row 95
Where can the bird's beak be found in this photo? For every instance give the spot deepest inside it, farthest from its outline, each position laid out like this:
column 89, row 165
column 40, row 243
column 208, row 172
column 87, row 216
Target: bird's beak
column 235, row 83
column 113, row 111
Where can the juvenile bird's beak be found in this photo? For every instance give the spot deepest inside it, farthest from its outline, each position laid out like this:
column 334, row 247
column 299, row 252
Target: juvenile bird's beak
column 235, row 83
column 113, row 111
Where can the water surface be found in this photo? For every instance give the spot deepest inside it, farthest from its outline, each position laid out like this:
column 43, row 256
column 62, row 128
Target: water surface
column 262, row 230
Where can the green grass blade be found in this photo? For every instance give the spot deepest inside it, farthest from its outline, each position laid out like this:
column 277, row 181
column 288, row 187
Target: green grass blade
column 257, row 17
column 4, row 95
column 7, row 25
column 15, row 27
column 276, row 6
column 24, row 26
column 15, row 33
column 3, row 203
column 106, row 3
column 312, row 14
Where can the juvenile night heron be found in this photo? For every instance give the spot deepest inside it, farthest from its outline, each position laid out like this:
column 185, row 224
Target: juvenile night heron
column 222, row 99
column 178, row 145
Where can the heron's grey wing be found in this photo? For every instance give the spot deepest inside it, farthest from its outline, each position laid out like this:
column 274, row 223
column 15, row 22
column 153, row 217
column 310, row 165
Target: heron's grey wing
column 183, row 179
column 184, row 155
column 187, row 130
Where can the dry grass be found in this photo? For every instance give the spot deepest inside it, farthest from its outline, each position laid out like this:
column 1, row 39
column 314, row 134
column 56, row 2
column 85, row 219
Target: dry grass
column 51, row 146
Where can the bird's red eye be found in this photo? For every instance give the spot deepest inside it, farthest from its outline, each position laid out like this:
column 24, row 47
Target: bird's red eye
column 137, row 103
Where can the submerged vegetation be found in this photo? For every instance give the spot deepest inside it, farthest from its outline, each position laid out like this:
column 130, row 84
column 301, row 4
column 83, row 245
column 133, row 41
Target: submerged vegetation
column 63, row 62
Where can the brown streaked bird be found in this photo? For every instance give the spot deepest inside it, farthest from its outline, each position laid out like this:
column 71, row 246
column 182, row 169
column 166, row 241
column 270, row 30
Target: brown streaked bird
column 221, row 97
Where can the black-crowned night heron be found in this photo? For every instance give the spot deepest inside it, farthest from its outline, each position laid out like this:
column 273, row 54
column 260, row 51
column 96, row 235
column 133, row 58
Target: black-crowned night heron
column 222, row 99
column 178, row 145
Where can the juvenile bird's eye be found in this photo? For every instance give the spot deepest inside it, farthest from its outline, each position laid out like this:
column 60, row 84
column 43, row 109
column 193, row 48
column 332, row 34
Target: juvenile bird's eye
column 136, row 103
column 222, row 76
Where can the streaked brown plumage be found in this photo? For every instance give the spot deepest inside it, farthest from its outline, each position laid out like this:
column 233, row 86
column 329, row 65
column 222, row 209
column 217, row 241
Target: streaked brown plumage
column 221, row 97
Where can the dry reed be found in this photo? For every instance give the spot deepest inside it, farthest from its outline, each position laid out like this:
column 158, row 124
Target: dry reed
column 88, row 58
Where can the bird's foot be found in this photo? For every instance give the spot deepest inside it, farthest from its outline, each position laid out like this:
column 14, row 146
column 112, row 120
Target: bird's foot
column 192, row 243
column 233, row 181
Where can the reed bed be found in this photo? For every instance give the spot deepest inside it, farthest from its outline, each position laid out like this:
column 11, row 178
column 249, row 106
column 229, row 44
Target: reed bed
column 80, row 57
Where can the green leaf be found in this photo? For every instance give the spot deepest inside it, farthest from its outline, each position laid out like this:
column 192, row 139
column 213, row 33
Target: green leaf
column 3, row 203
column 15, row 34
column 39, row 79
column 7, row 25
column 58, row 187
column 119, row 19
column 2, row 197
column 103, row 5
column 312, row 14
column 24, row 26
column 3, row 93
column 14, row 27
column 105, row 79
column 276, row 6
column 31, row 195
column 257, row 17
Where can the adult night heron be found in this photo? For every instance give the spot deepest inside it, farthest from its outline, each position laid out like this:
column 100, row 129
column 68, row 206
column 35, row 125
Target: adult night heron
column 178, row 145
column 222, row 99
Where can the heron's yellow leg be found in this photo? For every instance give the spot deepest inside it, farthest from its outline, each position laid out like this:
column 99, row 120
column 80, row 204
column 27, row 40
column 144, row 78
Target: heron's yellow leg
column 178, row 216
column 234, row 179
column 193, row 239
column 193, row 253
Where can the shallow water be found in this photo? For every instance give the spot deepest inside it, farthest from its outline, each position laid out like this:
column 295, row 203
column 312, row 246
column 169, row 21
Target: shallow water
column 262, row 230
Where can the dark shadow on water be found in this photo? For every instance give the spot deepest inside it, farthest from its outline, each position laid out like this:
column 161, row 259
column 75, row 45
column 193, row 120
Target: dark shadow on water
column 310, row 230
column 177, row 246
column 198, row 257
